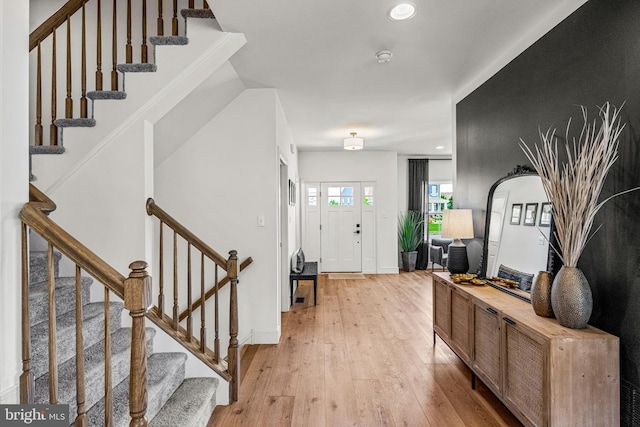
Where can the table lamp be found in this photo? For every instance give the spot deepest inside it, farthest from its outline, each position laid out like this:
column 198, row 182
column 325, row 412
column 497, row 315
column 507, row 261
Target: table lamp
column 457, row 224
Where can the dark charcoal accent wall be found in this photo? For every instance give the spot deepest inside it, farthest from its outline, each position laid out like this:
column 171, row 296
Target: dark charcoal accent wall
column 590, row 58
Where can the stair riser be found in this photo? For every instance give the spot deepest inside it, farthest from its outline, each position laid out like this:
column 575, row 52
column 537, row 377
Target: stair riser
column 65, row 298
column 94, row 372
column 93, row 332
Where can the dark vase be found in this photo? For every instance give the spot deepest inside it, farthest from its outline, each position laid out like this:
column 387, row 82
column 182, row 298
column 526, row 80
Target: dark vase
column 409, row 260
column 571, row 298
column 541, row 294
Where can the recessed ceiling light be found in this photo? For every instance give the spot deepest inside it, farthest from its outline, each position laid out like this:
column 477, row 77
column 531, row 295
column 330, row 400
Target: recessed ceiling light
column 440, row 147
column 402, row 11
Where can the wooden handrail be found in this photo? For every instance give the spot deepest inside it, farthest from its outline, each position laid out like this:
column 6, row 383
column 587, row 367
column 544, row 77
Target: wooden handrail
column 54, row 21
column 212, row 291
column 35, row 216
column 153, row 209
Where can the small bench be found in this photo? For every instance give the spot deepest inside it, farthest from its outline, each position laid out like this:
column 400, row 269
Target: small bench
column 309, row 272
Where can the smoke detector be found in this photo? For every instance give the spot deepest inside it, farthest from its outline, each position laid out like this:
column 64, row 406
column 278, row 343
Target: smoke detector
column 384, row 56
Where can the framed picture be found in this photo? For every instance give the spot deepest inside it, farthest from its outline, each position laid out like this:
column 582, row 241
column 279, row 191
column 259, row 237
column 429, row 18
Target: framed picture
column 516, row 213
column 530, row 211
column 545, row 215
column 292, row 193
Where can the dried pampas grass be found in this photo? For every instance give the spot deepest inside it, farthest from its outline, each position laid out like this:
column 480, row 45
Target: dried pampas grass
column 573, row 188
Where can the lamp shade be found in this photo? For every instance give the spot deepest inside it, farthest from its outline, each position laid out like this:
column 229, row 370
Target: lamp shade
column 353, row 143
column 457, row 224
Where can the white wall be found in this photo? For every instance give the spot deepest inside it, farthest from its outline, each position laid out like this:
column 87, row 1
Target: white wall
column 14, row 179
column 219, row 182
column 377, row 166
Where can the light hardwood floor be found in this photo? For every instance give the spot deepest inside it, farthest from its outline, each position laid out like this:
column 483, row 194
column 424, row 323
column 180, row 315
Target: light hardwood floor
column 364, row 355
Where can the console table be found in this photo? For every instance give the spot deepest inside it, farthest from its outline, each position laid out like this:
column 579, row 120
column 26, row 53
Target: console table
column 546, row 374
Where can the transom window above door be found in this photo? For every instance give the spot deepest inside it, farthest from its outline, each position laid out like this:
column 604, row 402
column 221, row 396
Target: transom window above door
column 340, row 196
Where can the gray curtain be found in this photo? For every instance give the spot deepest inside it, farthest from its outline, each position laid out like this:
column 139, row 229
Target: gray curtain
column 418, row 201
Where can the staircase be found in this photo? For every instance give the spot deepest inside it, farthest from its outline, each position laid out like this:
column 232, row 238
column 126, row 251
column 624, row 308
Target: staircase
column 95, row 375
column 172, row 399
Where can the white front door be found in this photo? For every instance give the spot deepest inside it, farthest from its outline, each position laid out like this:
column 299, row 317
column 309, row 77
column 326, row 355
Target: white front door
column 341, row 232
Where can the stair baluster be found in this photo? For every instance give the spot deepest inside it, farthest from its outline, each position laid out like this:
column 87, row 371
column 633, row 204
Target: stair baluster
column 137, row 299
column 83, row 66
column 174, row 20
column 38, row 126
column 161, row 272
column 53, row 129
column 114, row 47
column 203, row 329
column 53, row 351
column 143, row 47
column 205, row 5
column 192, row 4
column 129, row 48
column 216, row 325
column 189, row 296
column 176, row 321
column 99, row 47
column 68, row 105
column 108, row 387
column 26, row 378
column 160, row 19
column 81, row 419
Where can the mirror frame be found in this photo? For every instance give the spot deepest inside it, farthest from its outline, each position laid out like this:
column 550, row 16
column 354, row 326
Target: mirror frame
column 518, row 171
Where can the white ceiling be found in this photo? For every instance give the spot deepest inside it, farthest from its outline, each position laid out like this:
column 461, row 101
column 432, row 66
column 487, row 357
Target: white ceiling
column 320, row 56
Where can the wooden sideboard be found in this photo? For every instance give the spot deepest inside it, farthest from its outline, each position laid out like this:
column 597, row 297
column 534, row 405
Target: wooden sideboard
column 546, row 374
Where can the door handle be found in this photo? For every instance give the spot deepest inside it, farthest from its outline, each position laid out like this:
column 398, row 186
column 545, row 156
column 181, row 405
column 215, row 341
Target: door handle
column 356, row 232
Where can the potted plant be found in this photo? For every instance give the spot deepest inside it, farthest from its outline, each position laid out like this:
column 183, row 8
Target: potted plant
column 410, row 235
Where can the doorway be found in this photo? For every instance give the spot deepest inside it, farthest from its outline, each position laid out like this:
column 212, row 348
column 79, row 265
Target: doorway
column 341, row 227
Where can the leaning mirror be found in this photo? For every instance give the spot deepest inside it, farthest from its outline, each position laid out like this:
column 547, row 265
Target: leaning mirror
column 517, row 230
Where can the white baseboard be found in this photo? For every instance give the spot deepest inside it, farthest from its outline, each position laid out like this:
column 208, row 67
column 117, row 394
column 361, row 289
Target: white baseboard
column 388, row 270
column 247, row 339
column 266, row 337
column 10, row 395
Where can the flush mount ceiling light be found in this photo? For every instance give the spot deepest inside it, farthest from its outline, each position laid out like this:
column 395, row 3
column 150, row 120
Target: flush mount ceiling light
column 440, row 147
column 402, row 11
column 353, row 143
column 384, row 56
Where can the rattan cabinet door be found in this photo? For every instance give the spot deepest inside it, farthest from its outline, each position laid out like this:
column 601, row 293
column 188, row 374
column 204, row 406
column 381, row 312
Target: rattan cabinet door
column 442, row 309
column 461, row 324
column 487, row 352
column 525, row 358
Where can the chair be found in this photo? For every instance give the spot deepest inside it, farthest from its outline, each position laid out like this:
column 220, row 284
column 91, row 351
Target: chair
column 439, row 252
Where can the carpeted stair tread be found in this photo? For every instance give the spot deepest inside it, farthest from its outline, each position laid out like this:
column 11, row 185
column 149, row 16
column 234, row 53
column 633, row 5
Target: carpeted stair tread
column 65, row 291
column 94, row 371
column 191, row 405
column 38, row 266
column 137, row 68
column 75, row 123
column 165, row 373
column 197, row 13
column 46, row 149
column 93, row 332
column 169, row 40
column 106, row 94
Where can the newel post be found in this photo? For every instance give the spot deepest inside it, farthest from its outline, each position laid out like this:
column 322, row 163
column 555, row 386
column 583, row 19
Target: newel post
column 233, row 355
column 137, row 299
